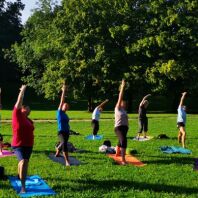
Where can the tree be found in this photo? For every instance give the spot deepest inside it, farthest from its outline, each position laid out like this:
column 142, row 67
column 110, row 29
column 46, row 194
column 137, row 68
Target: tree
column 94, row 44
column 10, row 32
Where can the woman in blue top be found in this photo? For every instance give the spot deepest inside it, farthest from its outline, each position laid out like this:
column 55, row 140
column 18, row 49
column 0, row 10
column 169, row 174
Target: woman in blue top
column 63, row 127
column 181, row 120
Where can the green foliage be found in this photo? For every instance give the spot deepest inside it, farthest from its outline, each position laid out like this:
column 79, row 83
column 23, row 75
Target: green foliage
column 94, row 44
column 10, row 28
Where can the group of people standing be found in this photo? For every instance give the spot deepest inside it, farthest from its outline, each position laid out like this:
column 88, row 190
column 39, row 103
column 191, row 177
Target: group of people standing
column 122, row 124
column 23, row 127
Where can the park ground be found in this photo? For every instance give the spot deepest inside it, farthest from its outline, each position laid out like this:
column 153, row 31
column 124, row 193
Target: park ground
column 165, row 175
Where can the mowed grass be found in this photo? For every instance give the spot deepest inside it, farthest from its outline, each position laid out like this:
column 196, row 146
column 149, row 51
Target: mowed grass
column 74, row 115
column 164, row 175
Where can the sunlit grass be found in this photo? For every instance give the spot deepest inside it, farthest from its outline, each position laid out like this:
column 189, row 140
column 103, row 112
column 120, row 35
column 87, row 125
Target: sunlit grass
column 164, row 175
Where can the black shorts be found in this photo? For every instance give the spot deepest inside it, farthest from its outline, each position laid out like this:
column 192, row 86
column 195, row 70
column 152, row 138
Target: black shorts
column 180, row 124
column 63, row 137
column 22, row 152
column 95, row 125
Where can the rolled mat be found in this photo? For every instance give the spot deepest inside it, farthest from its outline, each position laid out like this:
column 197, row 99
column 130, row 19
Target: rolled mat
column 6, row 153
column 129, row 159
column 61, row 160
column 94, row 137
column 35, row 186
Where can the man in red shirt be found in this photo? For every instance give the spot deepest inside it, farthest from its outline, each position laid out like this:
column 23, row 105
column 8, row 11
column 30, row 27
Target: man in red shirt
column 23, row 136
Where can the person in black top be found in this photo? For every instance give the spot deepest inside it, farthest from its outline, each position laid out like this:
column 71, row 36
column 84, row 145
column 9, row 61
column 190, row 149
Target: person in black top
column 142, row 118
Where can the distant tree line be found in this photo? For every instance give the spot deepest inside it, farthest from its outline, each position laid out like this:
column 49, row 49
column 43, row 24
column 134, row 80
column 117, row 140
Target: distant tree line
column 93, row 44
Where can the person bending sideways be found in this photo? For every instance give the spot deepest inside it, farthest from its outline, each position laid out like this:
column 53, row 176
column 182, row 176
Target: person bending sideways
column 63, row 127
column 96, row 116
column 142, row 118
column 121, row 124
column 22, row 136
column 181, row 121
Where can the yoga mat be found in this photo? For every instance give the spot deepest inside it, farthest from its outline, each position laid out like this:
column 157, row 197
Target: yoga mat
column 142, row 138
column 96, row 137
column 7, row 153
column 175, row 149
column 61, row 160
column 35, row 186
column 129, row 159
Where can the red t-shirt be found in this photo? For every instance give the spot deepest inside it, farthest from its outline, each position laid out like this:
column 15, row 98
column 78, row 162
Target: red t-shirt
column 22, row 129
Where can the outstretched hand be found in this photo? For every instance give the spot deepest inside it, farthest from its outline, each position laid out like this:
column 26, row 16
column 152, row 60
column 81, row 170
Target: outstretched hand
column 23, row 87
column 123, row 83
column 184, row 93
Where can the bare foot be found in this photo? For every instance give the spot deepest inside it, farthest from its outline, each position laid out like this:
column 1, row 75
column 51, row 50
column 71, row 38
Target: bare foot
column 22, row 190
column 123, row 163
column 67, row 163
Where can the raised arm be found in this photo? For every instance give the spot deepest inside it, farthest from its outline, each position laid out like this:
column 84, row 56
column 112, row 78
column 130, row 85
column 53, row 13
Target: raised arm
column 182, row 99
column 62, row 100
column 103, row 103
column 145, row 97
column 120, row 97
column 19, row 101
column 0, row 99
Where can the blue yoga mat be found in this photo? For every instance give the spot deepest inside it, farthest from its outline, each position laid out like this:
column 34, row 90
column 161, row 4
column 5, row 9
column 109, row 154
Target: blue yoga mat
column 96, row 137
column 35, row 186
column 175, row 149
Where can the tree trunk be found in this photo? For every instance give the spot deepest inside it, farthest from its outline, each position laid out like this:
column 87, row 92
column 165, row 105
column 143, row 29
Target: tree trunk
column 90, row 104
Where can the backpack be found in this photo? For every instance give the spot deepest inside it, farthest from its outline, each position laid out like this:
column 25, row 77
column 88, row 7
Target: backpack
column 107, row 143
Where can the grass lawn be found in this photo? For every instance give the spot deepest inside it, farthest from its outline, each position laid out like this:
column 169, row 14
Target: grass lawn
column 165, row 175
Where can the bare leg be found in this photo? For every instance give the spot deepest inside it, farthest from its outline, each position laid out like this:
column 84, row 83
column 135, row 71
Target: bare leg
column 183, row 137
column 22, row 168
column 117, row 151
column 57, row 153
column 179, row 136
column 66, row 156
column 123, row 153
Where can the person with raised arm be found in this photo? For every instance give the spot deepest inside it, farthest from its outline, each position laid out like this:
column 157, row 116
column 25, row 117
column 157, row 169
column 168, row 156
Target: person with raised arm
column 63, row 127
column 22, row 136
column 96, row 116
column 181, row 120
column 121, row 124
column 142, row 118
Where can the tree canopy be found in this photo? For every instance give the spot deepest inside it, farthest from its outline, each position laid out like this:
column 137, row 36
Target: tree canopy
column 92, row 45
column 10, row 22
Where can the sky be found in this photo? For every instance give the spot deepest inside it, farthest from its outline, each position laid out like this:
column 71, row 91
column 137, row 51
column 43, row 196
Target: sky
column 29, row 5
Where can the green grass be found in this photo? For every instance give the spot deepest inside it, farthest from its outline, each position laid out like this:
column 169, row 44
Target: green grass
column 78, row 115
column 164, row 176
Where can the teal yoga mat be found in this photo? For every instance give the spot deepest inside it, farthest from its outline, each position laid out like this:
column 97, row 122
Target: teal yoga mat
column 175, row 149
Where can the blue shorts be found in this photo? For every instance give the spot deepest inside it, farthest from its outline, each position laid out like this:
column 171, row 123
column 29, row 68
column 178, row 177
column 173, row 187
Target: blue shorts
column 22, row 152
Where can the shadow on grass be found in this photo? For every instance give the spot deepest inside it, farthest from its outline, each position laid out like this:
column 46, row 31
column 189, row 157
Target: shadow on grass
column 106, row 185
column 172, row 160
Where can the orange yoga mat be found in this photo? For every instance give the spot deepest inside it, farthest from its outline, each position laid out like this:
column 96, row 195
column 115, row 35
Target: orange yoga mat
column 129, row 159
